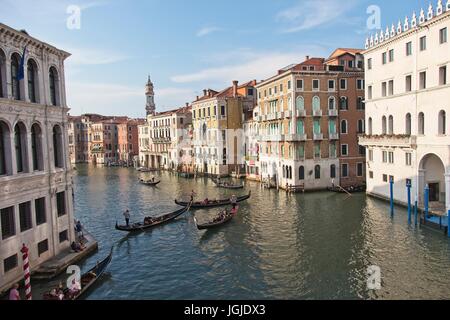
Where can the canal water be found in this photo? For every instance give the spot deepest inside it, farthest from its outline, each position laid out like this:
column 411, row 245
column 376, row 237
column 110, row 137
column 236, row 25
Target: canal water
column 305, row 246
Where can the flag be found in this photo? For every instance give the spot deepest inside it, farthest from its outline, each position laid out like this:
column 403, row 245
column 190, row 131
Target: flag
column 21, row 74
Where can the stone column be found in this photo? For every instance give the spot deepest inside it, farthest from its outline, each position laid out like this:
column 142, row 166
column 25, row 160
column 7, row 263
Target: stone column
column 447, row 191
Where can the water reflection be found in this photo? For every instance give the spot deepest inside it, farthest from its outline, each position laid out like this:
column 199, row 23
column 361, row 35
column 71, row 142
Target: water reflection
column 306, row 246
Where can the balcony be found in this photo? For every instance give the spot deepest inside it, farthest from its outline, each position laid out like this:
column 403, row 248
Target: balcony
column 296, row 137
column 274, row 138
column 301, row 113
column 334, row 136
column 332, row 112
column 280, row 115
column 399, row 141
column 318, row 136
column 317, row 113
column 288, row 114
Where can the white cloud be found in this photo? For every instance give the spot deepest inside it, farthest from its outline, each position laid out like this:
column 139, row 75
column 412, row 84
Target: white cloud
column 256, row 66
column 312, row 13
column 207, row 30
column 92, row 56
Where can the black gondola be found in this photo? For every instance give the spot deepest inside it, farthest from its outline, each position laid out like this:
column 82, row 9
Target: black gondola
column 149, row 183
column 212, row 203
column 227, row 185
column 217, row 222
column 150, row 222
column 86, row 281
column 352, row 189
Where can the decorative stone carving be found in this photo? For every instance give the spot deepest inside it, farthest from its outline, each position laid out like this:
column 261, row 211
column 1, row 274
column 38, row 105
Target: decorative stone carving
column 421, row 17
column 399, row 27
column 387, row 35
column 376, row 39
column 430, row 13
column 367, row 43
column 392, row 31
column 439, row 8
column 414, row 20
column 406, row 24
column 371, row 41
column 381, row 37
column 447, row 6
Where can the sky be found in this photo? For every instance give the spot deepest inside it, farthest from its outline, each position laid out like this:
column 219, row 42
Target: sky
column 188, row 46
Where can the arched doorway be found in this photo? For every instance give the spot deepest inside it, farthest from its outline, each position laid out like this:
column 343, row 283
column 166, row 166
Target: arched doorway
column 432, row 173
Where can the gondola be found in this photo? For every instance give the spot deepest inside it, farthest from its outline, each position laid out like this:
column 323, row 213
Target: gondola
column 213, row 224
column 212, row 203
column 149, row 183
column 86, row 281
column 150, row 222
column 227, row 185
column 347, row 190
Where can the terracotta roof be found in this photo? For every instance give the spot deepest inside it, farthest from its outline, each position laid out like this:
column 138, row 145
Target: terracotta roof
column 341, row 51
column 227, row 92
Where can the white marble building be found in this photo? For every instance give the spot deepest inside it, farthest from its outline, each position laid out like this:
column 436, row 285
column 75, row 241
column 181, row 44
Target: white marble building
column 407, row 107
column 36, row 204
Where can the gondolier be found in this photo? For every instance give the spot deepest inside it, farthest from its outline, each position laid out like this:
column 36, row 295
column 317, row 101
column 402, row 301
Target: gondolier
column 127, row 216
column 233, row 201
column 193, row 194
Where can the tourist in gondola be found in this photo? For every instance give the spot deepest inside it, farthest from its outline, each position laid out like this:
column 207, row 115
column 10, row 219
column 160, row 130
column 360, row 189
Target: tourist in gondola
column 127, row 216
column 14, row 292
column 193, row 194
column 74, row 289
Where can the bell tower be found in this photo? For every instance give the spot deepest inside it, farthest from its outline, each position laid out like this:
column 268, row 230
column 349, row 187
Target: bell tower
column 150, row 94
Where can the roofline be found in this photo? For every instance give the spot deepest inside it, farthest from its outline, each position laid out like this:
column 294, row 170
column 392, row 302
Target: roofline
column 29, row 39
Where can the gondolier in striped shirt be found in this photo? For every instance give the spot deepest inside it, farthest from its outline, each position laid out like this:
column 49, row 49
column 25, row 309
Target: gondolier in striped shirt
column 127, row 216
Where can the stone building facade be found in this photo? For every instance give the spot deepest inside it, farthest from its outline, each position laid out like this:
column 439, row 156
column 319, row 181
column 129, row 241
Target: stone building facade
column 36, row 206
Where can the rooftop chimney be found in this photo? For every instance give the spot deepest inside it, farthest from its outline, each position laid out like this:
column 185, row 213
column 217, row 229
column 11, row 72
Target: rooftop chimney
column 197, row 97
column 205, row 92
column 307, row 57
column 235, row 87
column 187, row 104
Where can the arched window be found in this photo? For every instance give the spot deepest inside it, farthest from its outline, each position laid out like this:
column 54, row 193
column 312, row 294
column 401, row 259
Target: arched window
column 360, row 104
column 290, row 172
column 20, row 146
column 333, row 171
column 57, row 147
column 54, row 86
column 5, row 149
column 317, row 172
column 361, row 126
column 370, row 126
column 391, row 125
column 344, row 127
column 421, row 123
column 290, row 103
column 36, row 147
column 343, row 103
column 15, row 82
column 331, row 103
column 300, row 103
column 408, row 124
column 284, row 172
column 383, row 125
column 442, row 125
column 33, row 91
column 301, row 174
column 2, row 74
column 316, row 103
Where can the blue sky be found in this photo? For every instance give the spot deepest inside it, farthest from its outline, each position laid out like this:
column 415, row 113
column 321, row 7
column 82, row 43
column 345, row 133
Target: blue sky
column 187, row 46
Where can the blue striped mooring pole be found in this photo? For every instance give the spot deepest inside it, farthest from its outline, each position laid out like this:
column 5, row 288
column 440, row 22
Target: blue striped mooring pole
column 391, row 184
column 426, row 200
column 416, row 211
column 408, row 187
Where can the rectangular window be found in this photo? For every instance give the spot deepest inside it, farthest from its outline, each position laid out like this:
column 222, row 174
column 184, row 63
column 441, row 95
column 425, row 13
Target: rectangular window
column 331, row 85
column 10, row 263
column 344, row 170
column 25, row 216
column 300, row 84
column 385, row 157
column 383, row 89
column 270, row 91
column 289, row 85
column 333, row 149
column 42, row 247
column 39, row 206
column 408, row 159
column 359, row 169
column 369, row 92
column 63, row 236
column 391, row 55
column 370, row 155
column 423, row 80
column 391, row 157
column 8, row 222
column 385, row 178
column 344, row 150
column 408, row 83
column 61, row 203
column 443, row 36
column 391, row 87
column 360, row 84
column 423, row 43
column 316, row 85
column 362, row 150
column 384, row 57
column 281, row 87
column 317, row 150
column 409, row 48
column 369, row 64
column 443, row 75
column 275, row 90
column 370, row 174
column 343, row 84
column 222, row 111
column 391, row 178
